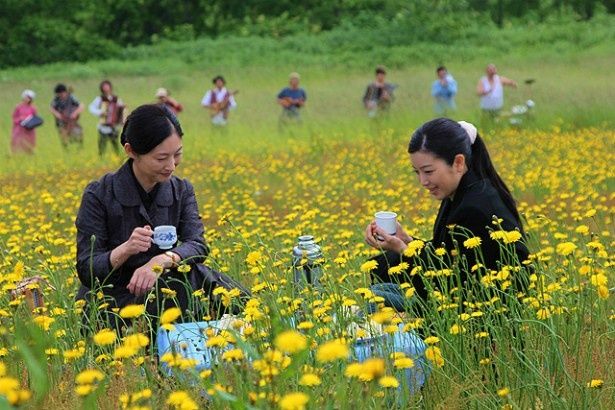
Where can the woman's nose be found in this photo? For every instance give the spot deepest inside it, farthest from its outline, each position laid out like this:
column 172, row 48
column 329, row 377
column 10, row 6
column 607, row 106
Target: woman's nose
column 423, row 180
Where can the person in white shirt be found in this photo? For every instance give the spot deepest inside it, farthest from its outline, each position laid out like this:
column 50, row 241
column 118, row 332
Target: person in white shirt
column 109, row 108
column 490, row 89
column 219, row 101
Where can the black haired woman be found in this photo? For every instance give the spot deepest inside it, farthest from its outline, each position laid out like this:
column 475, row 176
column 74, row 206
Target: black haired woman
column 452, row 162
column 118, row 214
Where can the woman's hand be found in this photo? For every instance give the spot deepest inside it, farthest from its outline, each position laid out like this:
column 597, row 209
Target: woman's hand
column 144, row 278
column 140, row 240
column 379, row 239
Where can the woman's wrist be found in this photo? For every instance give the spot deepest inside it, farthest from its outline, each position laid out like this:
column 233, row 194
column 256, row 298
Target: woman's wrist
column 167, row 260
column 118, row 256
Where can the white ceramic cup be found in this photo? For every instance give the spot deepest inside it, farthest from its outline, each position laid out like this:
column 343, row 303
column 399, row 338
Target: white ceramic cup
column 165, row 236
column 387, row 221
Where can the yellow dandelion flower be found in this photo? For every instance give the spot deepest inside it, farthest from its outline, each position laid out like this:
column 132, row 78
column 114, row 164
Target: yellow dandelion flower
column 294, row 401
column 503, row 392
column 170, row 315
column 132, row 311
column 457, row 329
column 84, row 389
column 332, row 350
column 89, row 376
column 388, row 382
column 184, row 268
column 565, row 248
column 543, row 313
column 368, row 266
column 233, row 355
column 137, row 340
column 434, row 355
column 472, row 243
column 290, row 341
column 105, row 337
column 595, row 383
column 122, row 352
column 181, row 400
column 432, row 340
column 253, row 258
column 403, row 363
column 309, row 379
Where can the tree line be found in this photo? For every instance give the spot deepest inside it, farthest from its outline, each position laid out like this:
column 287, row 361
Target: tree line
column 42, row 31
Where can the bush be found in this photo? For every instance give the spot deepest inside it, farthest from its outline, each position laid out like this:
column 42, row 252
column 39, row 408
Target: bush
column 38, row 40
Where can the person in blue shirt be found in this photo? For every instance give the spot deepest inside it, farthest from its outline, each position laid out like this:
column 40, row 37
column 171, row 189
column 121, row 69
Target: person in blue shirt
column 292, row 99
column 444, row 90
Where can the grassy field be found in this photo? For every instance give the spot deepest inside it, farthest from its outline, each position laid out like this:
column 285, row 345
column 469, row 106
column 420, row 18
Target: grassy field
column 258, row 189
column 571, row 91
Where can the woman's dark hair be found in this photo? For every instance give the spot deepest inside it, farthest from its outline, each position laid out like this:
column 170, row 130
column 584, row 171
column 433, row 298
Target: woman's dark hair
column 381, row 70
column 445, row 138
column 103, row 82
column 149, row 125
column 218, row 77
column 60, row 88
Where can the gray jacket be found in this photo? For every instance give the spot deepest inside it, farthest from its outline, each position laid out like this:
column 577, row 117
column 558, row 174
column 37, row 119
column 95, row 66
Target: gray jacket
column 111, row 209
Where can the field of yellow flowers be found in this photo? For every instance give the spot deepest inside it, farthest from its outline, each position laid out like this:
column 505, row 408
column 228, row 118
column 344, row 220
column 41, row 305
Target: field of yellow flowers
column 552, row 347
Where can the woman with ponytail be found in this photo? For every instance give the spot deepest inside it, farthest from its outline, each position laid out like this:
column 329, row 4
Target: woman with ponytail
column 453, row 164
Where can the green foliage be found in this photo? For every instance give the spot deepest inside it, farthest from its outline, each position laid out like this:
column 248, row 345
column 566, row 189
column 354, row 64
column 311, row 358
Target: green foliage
column 36, row 32
column 52, row 39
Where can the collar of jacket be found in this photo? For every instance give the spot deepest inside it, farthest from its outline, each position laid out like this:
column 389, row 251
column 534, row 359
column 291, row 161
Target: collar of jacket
column 467, row 180
column 127, row 194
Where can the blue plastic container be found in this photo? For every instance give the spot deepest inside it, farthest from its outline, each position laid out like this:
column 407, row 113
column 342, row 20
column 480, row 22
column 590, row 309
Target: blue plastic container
column 408, row 343
column 188, row 339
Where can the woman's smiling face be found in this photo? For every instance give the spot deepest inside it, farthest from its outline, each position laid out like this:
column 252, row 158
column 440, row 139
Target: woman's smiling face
column 159, row 164
column 438, row 177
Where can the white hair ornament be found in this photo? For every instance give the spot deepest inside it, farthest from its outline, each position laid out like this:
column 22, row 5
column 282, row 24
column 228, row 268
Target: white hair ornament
column 470, row 129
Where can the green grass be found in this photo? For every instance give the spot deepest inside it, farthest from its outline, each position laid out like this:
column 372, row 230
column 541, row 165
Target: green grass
column 571, row 91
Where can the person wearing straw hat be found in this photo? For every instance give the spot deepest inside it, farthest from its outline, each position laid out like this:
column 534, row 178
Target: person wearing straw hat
column 23, row 138
column 292, row 99
column 164, row 98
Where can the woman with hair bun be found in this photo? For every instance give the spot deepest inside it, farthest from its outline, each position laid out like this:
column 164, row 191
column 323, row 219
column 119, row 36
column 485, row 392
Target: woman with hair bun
column 116, row 253
column 453, row 164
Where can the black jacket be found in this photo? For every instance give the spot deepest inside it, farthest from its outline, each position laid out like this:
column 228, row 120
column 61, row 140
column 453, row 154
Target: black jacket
column 475, row 205
column 469, row 214
column 111, row 208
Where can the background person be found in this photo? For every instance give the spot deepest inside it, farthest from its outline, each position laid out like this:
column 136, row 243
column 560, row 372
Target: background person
column 379, row 94
column 164, row 97
column 292, row 99
column 22, row 138
column 453, row 164
column 444, row 90
column 109, row 108
column 66, row 110
column 219, row 101
column 490, row 89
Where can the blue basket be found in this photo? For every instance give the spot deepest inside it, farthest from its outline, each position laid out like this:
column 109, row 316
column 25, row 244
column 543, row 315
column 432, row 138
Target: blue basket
column 188, row 339
column 408, row 343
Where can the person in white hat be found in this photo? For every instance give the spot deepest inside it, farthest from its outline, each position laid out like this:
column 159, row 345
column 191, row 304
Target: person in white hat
column 292, row 99
column 23, row 138
column 164, row 98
